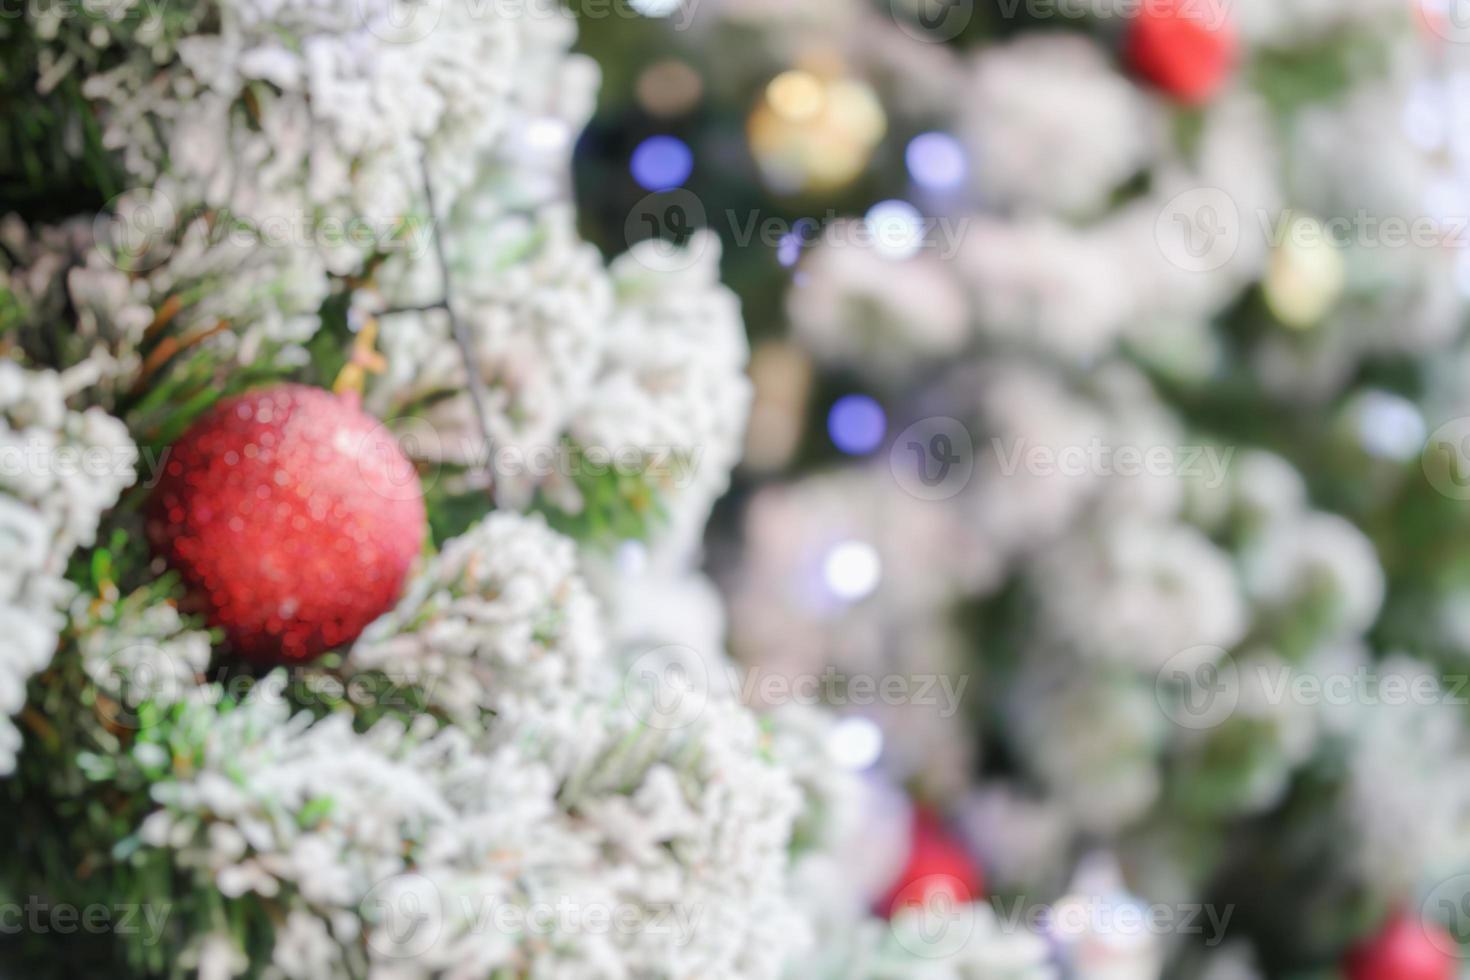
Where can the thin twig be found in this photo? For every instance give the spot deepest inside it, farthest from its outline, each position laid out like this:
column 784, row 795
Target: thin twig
column 164, row 316
column 457, row 328
column 414, row 308
column 170, row 347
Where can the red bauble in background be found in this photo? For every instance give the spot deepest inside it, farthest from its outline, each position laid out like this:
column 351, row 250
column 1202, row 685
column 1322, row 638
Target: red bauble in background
column 1185, row 47
column 1405, row 949
column 293, row 518
column 938, row 865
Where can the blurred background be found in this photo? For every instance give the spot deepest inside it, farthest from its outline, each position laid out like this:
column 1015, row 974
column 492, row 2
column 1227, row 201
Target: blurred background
column 1109, row 458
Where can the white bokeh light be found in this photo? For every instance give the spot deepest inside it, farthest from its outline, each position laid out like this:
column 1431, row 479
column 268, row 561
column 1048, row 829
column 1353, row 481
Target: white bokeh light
column 852, row 570
column 936, row 161
column 897, row 228
column 1390, row 427
column 655, row 8
column 856, row 743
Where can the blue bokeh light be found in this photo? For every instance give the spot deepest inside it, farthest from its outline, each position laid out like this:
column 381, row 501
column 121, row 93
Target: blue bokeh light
column 857, row 424
column 788, row 252
column 936, row 161
column 662, row 163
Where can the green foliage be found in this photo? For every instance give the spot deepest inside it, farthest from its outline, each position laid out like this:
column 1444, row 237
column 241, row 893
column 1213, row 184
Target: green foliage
column 83, row 787
column 1301, row 76
column 38, row 169
column 52, row 159
column 76, row 794
column 616, row 505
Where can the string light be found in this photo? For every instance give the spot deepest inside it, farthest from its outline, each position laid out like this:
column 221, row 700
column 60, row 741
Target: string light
column 1306, row 275
column 782, row 375
column 1389, row 426
column 936, row 161
column 897, row 228
column 856, row 743
column 1462, row 272
column 662, row 163
column 669, row 88
column 796, row 95
column 547, row 136
column 857, row 424
column 811, row 132
column 631, row 557
column 852, row 570
column 788, row 252
column 654, row 8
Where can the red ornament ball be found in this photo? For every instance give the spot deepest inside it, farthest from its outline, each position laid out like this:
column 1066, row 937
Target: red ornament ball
column 939, row 868
column 1405, row 949
column 1185, row 47
column 293, row 518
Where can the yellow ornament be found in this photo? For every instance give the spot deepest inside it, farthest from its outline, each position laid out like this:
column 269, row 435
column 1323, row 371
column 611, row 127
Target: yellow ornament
column 1306, row 276
column 813, row 131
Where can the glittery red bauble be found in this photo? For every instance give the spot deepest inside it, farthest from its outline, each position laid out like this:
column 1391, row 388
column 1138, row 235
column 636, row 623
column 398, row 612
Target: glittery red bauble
column 1185, row 47
column 1405, row 949
column 292, row 516
column 939, row 866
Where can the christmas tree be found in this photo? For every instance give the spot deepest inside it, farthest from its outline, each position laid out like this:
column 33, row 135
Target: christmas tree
column 1144, row 323
column 350, row 504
